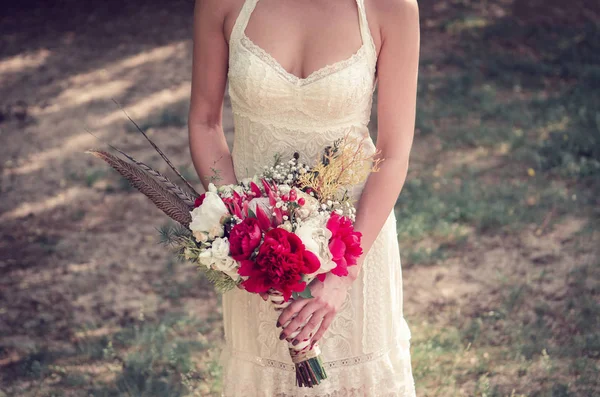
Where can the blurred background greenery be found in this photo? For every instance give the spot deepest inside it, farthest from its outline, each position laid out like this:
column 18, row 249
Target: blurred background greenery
column 498, row 222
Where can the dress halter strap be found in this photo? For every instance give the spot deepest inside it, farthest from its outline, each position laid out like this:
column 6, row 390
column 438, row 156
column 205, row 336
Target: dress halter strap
column 242, row 20
column 365, row 32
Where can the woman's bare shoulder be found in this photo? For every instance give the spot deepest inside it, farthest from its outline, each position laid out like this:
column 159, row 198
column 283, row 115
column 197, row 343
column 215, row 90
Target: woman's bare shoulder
column 393, row 6
column 387, row 18
column 219, row 6
column 223, row 12
column 390, row 11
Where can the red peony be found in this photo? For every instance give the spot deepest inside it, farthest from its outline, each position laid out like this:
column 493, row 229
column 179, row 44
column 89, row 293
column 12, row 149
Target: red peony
column 281, row 261
column 244, row 238
column 344, row 243
column 199, row 200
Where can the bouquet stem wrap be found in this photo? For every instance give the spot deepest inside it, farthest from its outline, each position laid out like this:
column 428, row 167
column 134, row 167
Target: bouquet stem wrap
column 309, row 365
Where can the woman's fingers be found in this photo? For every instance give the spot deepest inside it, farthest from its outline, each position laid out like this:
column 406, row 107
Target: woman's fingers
column 289, row 311
column 324, row 325
column 309, row 329
column 302, row 316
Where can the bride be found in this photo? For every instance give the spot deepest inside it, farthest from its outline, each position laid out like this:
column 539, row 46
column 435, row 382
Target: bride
column 301, row 75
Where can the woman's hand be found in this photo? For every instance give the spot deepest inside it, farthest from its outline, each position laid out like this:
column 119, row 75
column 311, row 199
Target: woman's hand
column 328, row 297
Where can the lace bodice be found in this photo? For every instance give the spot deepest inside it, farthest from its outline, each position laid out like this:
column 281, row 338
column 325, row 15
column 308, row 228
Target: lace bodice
column 278, row 112
column 365, row 349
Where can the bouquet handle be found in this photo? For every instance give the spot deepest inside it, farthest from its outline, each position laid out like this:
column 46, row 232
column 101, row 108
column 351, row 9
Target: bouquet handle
column 308, row 362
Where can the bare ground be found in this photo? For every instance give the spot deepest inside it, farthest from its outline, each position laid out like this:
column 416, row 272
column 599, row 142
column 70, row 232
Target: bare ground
column 79, row 252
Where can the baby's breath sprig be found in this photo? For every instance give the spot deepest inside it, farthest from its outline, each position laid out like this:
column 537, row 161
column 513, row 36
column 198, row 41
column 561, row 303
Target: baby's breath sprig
column 286, row 173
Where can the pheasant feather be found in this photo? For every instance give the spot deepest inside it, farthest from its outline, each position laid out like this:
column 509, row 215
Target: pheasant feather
column 160, row 152
column 168, row 184
column 166, row 201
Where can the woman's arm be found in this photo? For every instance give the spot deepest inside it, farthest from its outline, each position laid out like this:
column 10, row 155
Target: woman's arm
column 397, row 67
column 208, row 146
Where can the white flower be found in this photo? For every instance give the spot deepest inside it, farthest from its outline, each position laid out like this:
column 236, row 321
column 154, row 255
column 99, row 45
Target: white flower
column 207, row 217
column 262, row 202
column 286, row 226
column 212, row 188
column 216, row 231
column 284, row 189
column 310, row 206
column 220, row 247
column 315, row 236
column 217, row 257
column 205, row 257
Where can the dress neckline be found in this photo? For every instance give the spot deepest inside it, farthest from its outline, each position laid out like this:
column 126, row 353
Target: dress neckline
column 318, row 74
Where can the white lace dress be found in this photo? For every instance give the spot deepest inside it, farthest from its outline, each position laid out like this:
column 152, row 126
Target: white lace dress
column 366, row 348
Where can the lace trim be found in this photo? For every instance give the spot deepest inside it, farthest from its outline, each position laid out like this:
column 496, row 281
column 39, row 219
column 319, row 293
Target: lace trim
column 388, row 375
column 266, row 362
column 318, row 74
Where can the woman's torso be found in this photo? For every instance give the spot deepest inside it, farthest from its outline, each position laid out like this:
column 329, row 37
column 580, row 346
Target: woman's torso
column 278, row 112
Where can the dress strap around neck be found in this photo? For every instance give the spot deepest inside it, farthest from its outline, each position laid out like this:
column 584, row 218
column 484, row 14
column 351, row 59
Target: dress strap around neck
column 242, row 20
column 365, row 32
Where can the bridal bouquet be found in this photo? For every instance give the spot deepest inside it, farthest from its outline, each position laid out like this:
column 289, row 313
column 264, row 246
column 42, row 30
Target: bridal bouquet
column 273, row 233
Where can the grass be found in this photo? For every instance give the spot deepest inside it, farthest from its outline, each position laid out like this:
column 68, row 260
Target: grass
column 557, row 351
column 512, row 115
column 172, row 354
column 168, row 357
column 517, row 147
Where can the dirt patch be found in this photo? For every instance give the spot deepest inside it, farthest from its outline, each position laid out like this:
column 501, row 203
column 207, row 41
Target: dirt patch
column 79, row 257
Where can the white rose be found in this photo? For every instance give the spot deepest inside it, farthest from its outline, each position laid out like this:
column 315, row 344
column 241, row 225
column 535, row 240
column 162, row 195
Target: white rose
column 315, row 236
column 287, row 225
column 205, row 257
column 220, row 248
column 221, row 259
column 217, row 257
column 216, row 231
column 228, row 266
column 310, row 206
column 207, row 217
